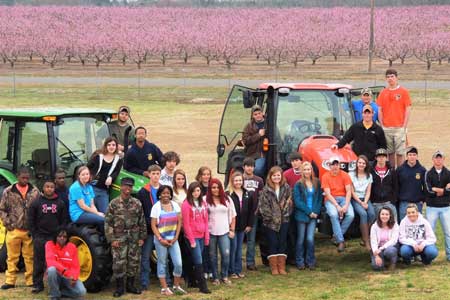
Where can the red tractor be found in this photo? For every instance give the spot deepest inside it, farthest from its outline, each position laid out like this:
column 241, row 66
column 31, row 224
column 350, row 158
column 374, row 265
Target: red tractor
column 304, row 117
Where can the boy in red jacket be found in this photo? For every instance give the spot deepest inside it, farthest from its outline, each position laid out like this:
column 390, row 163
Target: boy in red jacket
column 63, row 268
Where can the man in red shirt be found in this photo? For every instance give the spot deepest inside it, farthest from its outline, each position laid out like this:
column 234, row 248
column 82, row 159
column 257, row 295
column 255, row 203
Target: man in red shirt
column 338, row 192
column 393, row 113
column 63, row 268
column 294, row 174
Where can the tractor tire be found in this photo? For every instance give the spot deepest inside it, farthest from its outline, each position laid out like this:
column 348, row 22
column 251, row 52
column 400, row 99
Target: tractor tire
column 3, row 254
column 94, row 254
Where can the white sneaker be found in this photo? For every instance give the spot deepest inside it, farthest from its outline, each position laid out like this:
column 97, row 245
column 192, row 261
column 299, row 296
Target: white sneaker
column 178, row 290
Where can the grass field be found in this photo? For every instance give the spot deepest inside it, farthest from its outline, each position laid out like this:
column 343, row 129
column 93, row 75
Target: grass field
column 175, row 123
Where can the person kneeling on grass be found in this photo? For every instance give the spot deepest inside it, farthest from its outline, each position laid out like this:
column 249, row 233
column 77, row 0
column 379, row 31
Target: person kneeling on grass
column 417, row 237
column 384, row 239
column 63, row 267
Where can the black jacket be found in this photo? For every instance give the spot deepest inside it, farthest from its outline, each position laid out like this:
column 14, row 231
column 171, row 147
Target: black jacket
column 411, row 182
column 46, row 216
column 385, row 190
column 433, row 179
column 245, row 215
column 145, row 196
column 365, row 141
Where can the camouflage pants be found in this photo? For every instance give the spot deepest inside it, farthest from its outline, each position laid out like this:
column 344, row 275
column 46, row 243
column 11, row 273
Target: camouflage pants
column 126, row 259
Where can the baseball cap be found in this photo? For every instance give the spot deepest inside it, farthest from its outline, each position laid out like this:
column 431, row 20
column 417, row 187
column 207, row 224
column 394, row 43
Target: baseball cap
column 333, row 159
column 438, row 153
column 411, row 149
column 366, row 91
column 124, row 108
column 256, row 108
column 367, row 107
column 127, row 181
column 381, row 151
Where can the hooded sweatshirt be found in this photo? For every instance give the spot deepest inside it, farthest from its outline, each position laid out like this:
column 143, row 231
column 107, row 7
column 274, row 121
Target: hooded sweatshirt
column 46, row 215
column 416, row 233
column 195, row 221
column 411, row 182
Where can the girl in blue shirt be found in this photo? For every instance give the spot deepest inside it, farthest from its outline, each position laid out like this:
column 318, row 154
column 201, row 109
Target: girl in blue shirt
column 82, row 208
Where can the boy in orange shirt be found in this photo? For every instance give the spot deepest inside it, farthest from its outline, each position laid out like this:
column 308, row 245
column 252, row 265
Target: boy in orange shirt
column 337, row 187
column 393, row 113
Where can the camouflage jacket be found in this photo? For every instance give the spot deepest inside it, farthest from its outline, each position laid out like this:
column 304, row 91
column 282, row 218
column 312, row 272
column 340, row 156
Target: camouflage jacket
column 125, row 220
column 14, row 209
column 273, row 210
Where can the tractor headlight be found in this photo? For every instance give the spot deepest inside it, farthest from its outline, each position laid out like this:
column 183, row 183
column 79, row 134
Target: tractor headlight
column 326, row 165
column 352, row 165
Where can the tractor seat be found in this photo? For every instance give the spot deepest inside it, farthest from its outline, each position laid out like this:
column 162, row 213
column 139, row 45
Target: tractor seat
column 41, row 161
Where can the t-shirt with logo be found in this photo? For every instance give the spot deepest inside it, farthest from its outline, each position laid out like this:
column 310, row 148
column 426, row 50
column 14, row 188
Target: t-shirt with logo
column 393, row 103
column 381, row 171
column 166, row 221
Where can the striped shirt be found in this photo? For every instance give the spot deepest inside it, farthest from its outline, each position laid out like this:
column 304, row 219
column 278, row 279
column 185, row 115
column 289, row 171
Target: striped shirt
column 166, row 220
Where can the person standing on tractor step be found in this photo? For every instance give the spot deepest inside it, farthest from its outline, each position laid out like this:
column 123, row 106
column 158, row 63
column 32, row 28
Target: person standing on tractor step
column 104, row 167
column 171, row 160
column 275, row 206
column 81, row 196
column 195, row 223
column 14, row 205
column 366, row 135
column 253, row 137
column 45, row 215
column 294, row 174
column 394, row 106
column 148, row 197
column 254, row 184
column 125, row 229
column 411, row 182
column 384, row 189
column 438, row 197
column 308, row 202
column 142, row 154
column 122, row 130
column 63, row 267
column 366, row 99
column 337, row 186
column 166, row 226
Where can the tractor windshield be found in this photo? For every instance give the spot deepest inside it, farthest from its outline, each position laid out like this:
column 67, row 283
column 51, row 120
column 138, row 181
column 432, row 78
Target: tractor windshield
column 76, row 139
column 308, row 112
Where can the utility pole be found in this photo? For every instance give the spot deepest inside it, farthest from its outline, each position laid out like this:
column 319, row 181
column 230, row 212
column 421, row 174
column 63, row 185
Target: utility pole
column 371, row 39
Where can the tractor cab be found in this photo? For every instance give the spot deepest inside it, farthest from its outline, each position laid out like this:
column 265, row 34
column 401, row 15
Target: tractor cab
column 304, row 117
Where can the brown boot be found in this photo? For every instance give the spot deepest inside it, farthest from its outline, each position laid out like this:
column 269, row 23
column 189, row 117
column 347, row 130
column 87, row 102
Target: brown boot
column 273, row 264
column 281, row 259
column 364, row 228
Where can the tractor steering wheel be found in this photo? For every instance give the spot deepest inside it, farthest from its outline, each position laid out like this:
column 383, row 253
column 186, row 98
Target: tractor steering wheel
column 71, row 156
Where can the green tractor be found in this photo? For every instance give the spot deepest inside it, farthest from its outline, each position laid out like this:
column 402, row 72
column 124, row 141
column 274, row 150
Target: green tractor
column 46, row 140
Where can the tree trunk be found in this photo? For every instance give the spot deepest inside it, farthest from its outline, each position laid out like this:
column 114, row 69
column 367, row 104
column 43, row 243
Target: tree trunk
column 390, row 62
column 335, row 57
column 350, row 53
column 428, row 64
column 124, row 60
column 402, row 60
column 440, row 61
column 163, row 59
column 314, row 61
column 185, row 59
column 208, row 60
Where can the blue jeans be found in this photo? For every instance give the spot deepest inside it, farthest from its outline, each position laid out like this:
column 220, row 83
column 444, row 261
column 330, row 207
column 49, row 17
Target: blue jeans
column 60, row 286
column 402, row 209
column 101, row 199
column 196, row 253
column 175, row 255
column 277, row 241
column 90, row 218
column 223, row 242
column 429, row 253
column 378, row 206
column 443, row 214
column 236, row 253
column 304, row 250
column 147, row 249
column 365, row 216
column 388, row 254
column 251, row 244
column 339, row 227
column 260, row 167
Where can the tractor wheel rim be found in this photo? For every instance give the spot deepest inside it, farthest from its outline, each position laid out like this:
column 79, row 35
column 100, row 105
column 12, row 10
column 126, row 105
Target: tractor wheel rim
column 84, row 257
